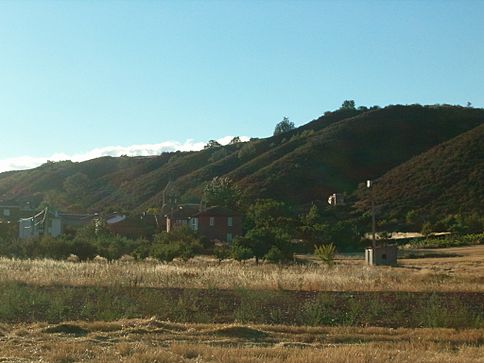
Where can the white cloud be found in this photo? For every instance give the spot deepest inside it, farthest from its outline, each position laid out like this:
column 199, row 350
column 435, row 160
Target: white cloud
column 29, row 162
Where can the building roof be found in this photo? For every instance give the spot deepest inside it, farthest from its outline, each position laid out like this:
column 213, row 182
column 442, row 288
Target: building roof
column 217, row 211
column 184, row 211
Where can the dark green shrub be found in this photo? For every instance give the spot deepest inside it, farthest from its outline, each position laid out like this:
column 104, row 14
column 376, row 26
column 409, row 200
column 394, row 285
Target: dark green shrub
column 83, row 248
column 181, row 242
column 239, row 251
column 275, row 255
column 326, row 253
column 57, row 248
column 222, row 251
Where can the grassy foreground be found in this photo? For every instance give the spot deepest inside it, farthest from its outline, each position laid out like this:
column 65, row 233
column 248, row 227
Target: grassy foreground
column 151, row 340
column 454, row 269
column 27, row 303
column 428, row 309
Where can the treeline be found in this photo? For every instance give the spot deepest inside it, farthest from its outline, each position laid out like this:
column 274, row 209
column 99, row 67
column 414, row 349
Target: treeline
column 274, row 231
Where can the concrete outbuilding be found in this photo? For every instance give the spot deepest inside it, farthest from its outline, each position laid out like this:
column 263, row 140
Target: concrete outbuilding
column 381, row 255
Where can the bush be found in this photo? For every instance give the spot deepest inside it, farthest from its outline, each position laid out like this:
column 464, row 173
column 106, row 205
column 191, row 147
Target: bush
column 221, row 251
column 326, row 253
column 218, row 155
column 427, row 229
column 83, row 249
column 275, row 255
column 57, row 248
column 181, row 242
column 261, row 239
column 448, row 241
column 166, row 252
column 241, row 252
column 247, row 151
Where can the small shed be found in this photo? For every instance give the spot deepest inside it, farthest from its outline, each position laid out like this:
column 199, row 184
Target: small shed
column 381, row 255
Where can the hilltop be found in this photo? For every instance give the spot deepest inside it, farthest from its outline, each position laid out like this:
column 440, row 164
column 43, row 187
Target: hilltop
column 333, row 153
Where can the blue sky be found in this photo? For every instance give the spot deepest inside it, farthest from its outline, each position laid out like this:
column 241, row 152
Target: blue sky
column 80, row 79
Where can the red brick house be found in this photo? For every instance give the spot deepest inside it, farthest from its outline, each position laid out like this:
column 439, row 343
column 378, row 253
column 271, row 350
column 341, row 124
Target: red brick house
column 144, row 226
column 181, row 215
column 214, row 223
column 218, row 223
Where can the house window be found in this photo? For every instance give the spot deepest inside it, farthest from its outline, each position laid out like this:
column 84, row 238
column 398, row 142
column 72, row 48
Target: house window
column 194, row 224
column 229, row 237
column 229, row 221
column 212, row 221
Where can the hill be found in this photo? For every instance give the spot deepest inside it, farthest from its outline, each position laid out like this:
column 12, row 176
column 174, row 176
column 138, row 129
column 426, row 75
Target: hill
column 330, row 154
column 448, row 179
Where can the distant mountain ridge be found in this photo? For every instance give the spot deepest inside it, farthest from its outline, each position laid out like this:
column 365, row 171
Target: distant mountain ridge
column 333, row 153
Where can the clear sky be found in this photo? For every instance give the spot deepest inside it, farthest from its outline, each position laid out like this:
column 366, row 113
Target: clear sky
column 85, row 78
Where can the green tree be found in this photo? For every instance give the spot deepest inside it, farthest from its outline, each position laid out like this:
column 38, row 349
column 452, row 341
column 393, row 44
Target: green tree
column 269, row 223
column 222, row 191
column 312, row 226
column 348, row 105
column 212, row 144
column 344, row 234
column 270, row 213
column 235, row 140
column 284, row 126
column 240, row 251
column 261, row 240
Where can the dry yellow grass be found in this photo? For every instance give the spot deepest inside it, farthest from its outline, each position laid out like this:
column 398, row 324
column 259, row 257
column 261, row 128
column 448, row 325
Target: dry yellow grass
column 464, row 272
column 156, row 341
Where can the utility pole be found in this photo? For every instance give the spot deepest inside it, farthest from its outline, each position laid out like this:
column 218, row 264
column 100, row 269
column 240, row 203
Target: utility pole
column 369, row 185
column 378, row 255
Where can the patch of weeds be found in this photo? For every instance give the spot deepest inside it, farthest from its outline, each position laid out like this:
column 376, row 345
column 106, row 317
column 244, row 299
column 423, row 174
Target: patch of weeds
column 266, row 307
column 190, row 307
column 251, row 305
column 318, row 312
column 450, row 313
column 243, row 332
column 62, row 358
column 354, row 312
column 70, row 329
column 57, row 310
column 376, row 310
column 186, row 351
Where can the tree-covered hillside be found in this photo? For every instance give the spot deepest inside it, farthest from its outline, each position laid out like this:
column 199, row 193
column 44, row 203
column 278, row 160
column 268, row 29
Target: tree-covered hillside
column 333, row 153
column 448, row 179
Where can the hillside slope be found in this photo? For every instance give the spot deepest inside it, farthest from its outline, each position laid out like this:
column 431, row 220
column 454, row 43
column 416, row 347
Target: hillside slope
column 447, row 179
column 330, row 154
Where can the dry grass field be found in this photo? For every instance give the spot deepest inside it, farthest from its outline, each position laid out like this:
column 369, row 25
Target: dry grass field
column 451, row 270
column 455, row 269
column 150, row 340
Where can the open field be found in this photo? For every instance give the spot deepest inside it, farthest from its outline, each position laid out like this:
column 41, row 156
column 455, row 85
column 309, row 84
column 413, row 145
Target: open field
column 428, row 309
column 456, row 269
column 151, row 340
column 28, row 303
